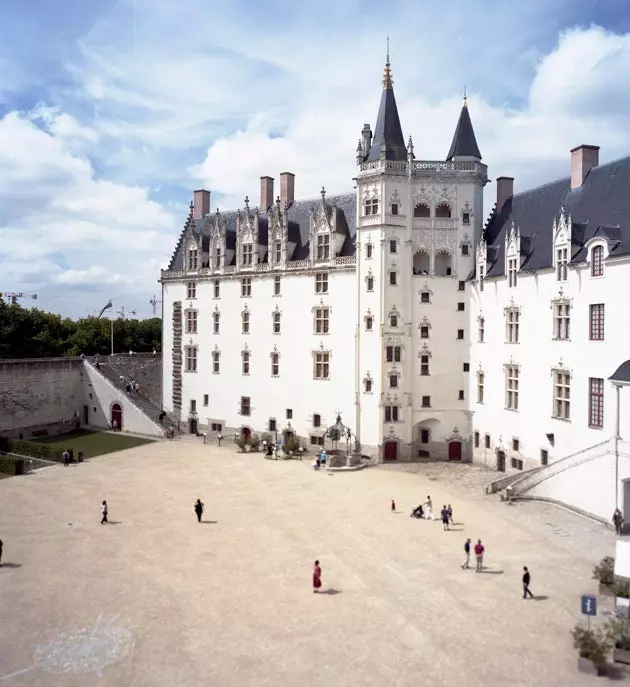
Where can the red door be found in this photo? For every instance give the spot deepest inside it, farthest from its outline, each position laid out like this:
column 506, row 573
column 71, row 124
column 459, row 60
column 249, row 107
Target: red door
column 117, row 416
column 390, row 451
column 247, row 433
column 455, row 450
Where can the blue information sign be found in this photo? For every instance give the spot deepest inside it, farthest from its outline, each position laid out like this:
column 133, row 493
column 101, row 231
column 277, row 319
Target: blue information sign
column 589, row 605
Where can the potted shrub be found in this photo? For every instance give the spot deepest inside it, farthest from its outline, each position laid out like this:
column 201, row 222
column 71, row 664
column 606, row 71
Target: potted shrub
column 290, row 445
column 593, row 646
column 604, row 572
column 241, row 442
column 254, row 442
column 621, row 639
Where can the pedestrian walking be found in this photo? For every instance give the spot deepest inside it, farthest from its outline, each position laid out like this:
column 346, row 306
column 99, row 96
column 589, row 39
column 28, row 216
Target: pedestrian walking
column 466, row 563
column 444, row 516
column 526, row 580
column 1, row 545
column 429, row 509
column 104, row 511
column 617, row 519
column 393, row 506
column 479, row 551
column 450, row 514
column 317, row 577
column 199, row 509
column 115, row 425
column 66, row 458
column 80, row 456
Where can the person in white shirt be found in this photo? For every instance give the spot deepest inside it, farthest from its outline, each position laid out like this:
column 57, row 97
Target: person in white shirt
column 429, row 509
column 104, row 512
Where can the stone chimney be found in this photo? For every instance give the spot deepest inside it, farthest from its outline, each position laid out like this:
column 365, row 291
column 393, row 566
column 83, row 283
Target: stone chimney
column 366, row 136
column 583, row 159
column 287, row 188
column 201, row 204
column 266, row 193
column 505, row 190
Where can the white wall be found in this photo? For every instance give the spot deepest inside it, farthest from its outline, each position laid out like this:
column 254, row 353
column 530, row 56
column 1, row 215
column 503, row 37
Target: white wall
column 104, row 395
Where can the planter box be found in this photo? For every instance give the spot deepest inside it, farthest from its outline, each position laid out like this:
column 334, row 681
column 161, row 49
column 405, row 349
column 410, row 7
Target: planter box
column 588, row 667
column 605, row 590
column 621, row 656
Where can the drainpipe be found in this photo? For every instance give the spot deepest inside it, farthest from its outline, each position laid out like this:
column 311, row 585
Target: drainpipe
column 357, row 334
column 617, row 437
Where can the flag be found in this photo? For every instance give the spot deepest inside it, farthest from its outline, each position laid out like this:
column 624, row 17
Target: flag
column 34, row 296
column 107, row 307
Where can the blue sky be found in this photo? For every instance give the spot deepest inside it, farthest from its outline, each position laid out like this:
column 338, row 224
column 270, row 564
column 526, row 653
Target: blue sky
column 111, row 113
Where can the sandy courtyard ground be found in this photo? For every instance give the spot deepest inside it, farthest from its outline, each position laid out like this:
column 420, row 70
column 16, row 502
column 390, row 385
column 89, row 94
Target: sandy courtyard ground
column 157, row 599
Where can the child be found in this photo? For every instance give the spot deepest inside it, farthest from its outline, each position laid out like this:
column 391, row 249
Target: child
column 393, row 506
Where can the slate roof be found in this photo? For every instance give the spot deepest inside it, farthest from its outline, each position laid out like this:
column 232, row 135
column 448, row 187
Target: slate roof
column 299, row 228
column 464, row 141
column 600, row 207
column 388, row 127
column 621, row 374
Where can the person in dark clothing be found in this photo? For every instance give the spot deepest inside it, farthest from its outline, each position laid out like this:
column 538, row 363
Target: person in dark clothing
column 161, row 417
column 526, row 580
column 617, row 519
column 417, row 512
column 199, row 509
column 1, row 545
column 80, row 456
column 66, row 457
column 444, row 514
column 466, row 563
column 104, row 511
column 450, row 514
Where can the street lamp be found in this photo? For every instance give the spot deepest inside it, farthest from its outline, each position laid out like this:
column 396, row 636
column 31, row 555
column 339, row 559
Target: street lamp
column 621, row 377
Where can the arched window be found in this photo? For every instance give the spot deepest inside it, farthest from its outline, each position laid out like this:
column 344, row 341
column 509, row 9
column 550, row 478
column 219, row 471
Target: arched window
column 421, row 263
column 422, row 210
column 597, row 261
column 443, row 211
column 443, row 264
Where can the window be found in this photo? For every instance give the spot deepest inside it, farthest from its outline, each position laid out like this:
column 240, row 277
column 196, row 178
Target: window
column 481, row 275
column 392, row 354
column 425, row 297
column 206, row 399
column 424, row 436
column 481, row 381
column 426, row 401
column 248, row 254
column 512, row 269
column 460, row 307
column 275, row 364
column 393, row 321
column 191, row 359
column 561, row 320
column 323, row 246
column 322, row 318
column 393, row 278
column 424, row 365
column 275, row 318
column 370, row 283
column 466, row 217
column 460, row 395
column 516, row 445
column 486, row 441
column 391, row 413
column 465, row 249
column 289, row 414
column 512, row 324
column 245, row 405
column 367, row 385
column 562, row 262
column 272, row 424
column 544, row 457
column 317, row 420
column 461, row 286
column 597, row 261
column 216, row 322
column 193, row 260
column 322, row 365
column 394, row 208
column 511, row 387
column 368, row 251
column 596, row 319
column 246, row 286
column 371, row 206
column 217, row 258
column 191, row 289
column 424, row 331
column 369, row 323
column 245, row 355
column 216, row 426
column 276, row 286
column 216, row 362
column 278, row 255
column 443, row 211
column 466, row 367
column 595, row 402
column 517, row 463
column 476, row 438
column 321, row 282
column 193, row 405
column 217, row 288
column 481, row 329
column 460, row 333
column 393, row 381
column 245, row 322
column 191, row 321
column 421, row 210
column 393, row 246
column 316, row 441
column 561, row 395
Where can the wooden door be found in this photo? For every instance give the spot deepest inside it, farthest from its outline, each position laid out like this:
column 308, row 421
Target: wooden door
column 455, row 450
column 390, row 451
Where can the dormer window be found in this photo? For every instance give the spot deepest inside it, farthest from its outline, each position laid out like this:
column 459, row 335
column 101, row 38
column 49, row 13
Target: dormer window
column 278, row 249
column 481, row 275
column 597, row 261
column 248, row 254
column 323, row 247
column 512, row 270
column 562, row 263
column 371, row 206
column 217, row 258
column 193, row 259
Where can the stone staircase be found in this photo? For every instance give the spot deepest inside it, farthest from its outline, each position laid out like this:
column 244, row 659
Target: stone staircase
column 150, row 409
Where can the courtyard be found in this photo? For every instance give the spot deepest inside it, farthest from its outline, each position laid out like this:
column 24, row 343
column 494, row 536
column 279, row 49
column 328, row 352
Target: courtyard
column 156, row 599
column 93, row 443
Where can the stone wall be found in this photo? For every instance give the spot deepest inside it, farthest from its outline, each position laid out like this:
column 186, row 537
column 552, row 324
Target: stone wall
column 145, row 368
column 40, row 393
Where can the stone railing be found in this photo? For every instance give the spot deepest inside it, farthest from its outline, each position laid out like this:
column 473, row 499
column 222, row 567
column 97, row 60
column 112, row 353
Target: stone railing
column 230, row 269
column 263, row 267
column 423, row 166
column 346, row 260
column 299, row 265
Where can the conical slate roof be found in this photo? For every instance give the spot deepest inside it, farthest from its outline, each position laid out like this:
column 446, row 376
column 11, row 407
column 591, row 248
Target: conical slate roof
column 388, row 129
column 464, row 142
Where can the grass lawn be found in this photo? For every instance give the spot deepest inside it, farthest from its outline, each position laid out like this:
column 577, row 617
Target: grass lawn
column 92, row 443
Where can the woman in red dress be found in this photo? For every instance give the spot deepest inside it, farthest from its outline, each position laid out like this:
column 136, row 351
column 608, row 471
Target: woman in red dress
column 317, row 577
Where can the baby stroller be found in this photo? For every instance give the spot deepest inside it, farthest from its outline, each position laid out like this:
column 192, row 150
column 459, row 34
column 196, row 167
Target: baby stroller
column 417, row 512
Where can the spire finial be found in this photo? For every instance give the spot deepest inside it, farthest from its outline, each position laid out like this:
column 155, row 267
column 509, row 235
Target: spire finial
column 387, row 75
column 323, row 192
column 191, row 206
column 465, row 97
column 387, row 61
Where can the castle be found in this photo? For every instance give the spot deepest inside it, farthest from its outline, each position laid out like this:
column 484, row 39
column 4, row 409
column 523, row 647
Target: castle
column 433, row 331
